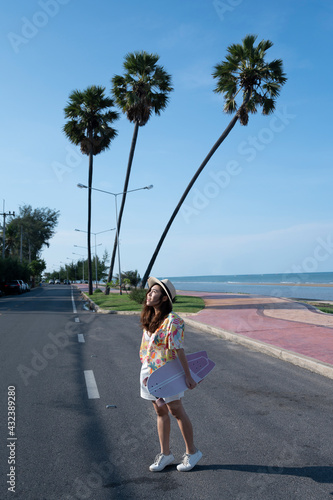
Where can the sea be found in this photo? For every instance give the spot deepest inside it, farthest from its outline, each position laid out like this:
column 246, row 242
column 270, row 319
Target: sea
column 308, row 286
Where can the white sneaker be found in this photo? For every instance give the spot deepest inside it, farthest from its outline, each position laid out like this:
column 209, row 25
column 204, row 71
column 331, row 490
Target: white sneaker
column 189, row 461
column 161, row 461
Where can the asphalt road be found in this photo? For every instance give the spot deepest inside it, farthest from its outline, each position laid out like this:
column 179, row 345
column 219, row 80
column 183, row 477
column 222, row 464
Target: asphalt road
column 264, row 426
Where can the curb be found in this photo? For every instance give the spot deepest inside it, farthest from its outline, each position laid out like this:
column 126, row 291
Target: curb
column 299, row 360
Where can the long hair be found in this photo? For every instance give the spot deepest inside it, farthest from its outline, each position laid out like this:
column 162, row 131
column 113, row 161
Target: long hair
column 151, row 321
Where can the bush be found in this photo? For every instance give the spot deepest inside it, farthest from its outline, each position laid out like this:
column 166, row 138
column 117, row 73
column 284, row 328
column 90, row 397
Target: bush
column 98, row 290
column 138, row 295
column 13, row 269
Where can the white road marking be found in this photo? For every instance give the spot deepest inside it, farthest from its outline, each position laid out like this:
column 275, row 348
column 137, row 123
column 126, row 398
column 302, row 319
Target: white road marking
column 91, row 385
column 73, row 301
column 80, row 337
column 77, row 320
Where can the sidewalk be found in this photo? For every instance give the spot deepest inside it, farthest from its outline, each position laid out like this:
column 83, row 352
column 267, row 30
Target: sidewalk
column 289, row 330
column 292, row 331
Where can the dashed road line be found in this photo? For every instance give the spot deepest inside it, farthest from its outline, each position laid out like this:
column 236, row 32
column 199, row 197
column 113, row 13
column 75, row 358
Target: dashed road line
column 80, row 337
column 73, row 301
column 92, row 389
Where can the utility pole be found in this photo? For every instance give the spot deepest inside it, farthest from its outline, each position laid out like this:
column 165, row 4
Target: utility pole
column 21, row 244
column 4, row 214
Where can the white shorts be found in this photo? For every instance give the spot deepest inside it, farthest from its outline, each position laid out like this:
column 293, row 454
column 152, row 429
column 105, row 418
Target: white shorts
column 145, row 394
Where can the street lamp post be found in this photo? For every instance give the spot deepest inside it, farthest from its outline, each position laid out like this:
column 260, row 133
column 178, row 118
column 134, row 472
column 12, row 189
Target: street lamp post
column 100, row 232
column 86, row 248
column 117, row 229
column 4, row 215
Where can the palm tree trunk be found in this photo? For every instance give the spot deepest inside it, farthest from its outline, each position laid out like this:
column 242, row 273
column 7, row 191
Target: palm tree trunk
column 128, row 173
column 187, row 190
column 89, row 222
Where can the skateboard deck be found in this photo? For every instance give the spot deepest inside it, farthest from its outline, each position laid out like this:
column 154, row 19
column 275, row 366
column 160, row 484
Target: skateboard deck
column 170, row 378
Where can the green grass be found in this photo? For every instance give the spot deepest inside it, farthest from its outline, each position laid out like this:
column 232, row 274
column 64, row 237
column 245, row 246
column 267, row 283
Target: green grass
column 321, row 306
column 326, row 308
column 116, row 302
column 188, row 304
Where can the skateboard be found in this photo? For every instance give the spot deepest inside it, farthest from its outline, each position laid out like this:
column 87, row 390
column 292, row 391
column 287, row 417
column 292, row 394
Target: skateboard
column 170, row 378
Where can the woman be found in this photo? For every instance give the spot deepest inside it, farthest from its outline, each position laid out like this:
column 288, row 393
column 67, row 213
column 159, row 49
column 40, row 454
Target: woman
column 162, row 341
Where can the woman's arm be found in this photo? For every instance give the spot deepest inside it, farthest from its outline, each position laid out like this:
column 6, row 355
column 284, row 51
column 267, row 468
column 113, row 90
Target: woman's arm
column 191, row 384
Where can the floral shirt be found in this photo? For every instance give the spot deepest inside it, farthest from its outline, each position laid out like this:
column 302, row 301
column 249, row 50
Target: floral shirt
column 162, row 346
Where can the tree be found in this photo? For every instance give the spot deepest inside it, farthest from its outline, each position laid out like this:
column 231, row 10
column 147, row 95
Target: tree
column 89, row 126
column 244, row 72
column 36, row 267
column 12, row 269
column 133, row 277
column 30, row 231
column 142, row 90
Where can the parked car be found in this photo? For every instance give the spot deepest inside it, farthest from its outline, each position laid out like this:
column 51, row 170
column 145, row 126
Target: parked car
column 24, row 286
column 57, row 282
column 13, row 286
column 51, row 282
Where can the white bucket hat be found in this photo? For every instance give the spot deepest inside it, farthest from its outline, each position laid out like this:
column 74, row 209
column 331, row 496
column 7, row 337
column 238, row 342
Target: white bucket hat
column 166, row 285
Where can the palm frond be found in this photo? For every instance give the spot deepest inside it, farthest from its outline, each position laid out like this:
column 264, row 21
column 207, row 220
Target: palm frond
column 245, row 69
column 90, row 119
column 143, row 89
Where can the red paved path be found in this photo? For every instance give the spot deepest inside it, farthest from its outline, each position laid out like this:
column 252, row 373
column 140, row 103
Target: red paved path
column 293, row 327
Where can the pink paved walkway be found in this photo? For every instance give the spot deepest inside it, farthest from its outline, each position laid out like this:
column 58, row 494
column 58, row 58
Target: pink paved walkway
column 282, row 323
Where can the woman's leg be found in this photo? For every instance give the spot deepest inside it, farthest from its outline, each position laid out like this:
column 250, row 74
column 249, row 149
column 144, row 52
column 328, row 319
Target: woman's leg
column 163, row 427
column 177, row 410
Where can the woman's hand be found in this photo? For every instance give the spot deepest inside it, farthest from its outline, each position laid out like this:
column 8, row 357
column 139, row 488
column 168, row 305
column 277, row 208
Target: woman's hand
column 191, row 384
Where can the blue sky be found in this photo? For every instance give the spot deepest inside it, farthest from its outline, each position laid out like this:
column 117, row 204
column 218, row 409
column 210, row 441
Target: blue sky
column 263, row 203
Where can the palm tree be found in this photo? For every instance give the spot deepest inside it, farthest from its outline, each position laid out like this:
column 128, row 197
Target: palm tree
column 142, row 90
column 244, row 72
column 89, row 126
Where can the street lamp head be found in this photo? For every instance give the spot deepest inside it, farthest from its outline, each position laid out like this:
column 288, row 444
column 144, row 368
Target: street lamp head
column 149, row 187
column 82, row 186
